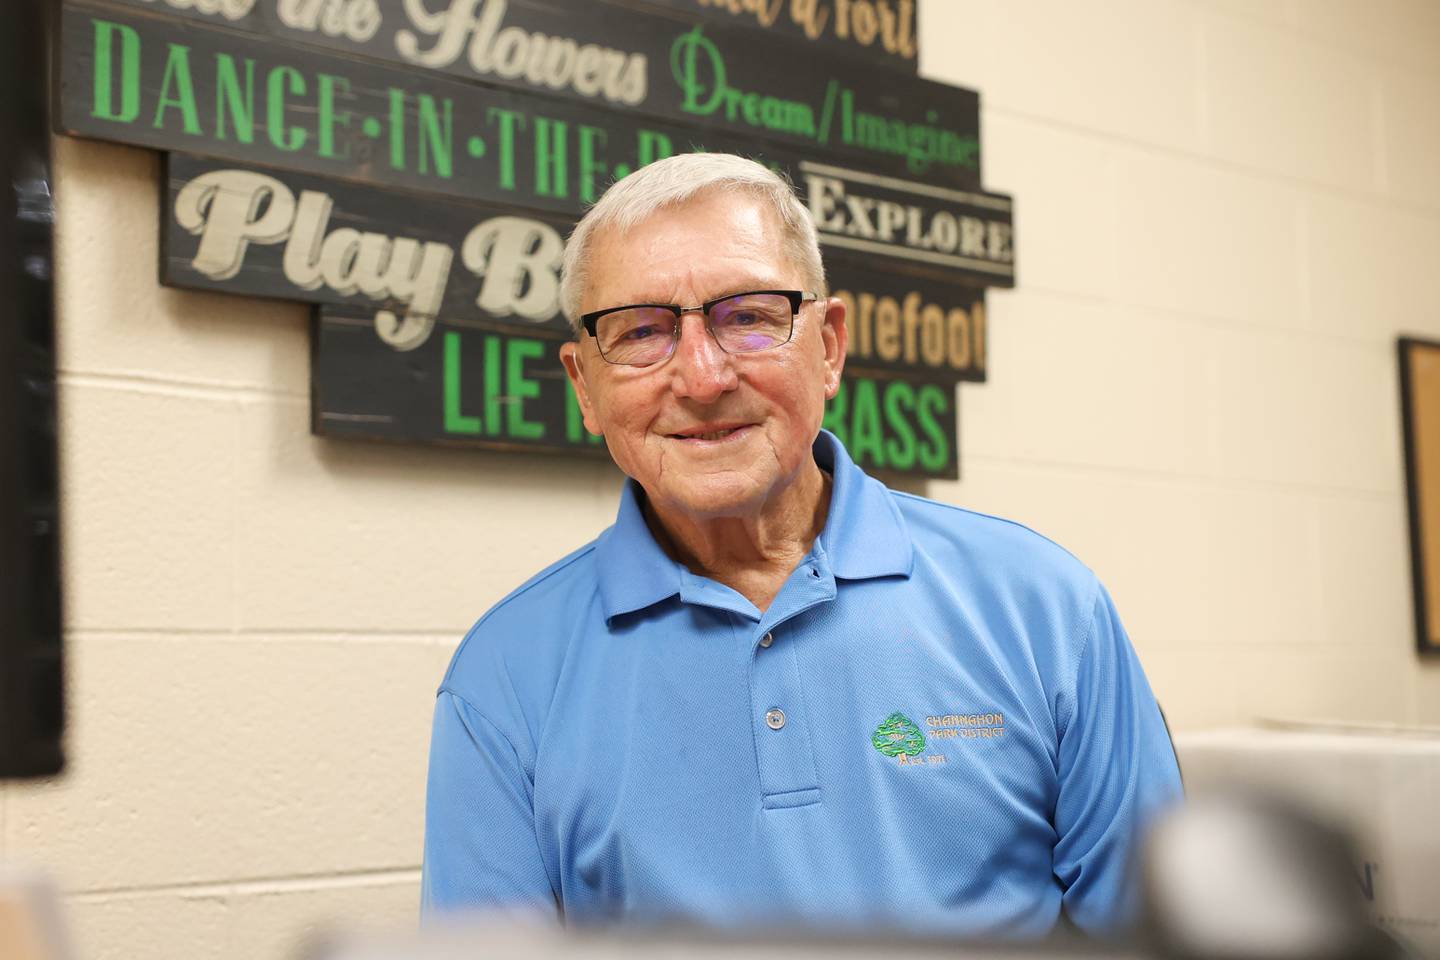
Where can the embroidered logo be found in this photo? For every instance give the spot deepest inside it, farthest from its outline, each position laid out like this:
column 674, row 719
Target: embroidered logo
column 971, row 726
column 897, row 735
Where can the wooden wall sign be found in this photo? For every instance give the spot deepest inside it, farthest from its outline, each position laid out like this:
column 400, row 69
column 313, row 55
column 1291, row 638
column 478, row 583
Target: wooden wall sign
column 885, row 31
column 161, row 83
column 474, row 385
column 662, row 63
column 412, row 167
column 410, row 260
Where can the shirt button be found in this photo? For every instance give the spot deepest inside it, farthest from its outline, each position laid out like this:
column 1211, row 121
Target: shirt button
column 775, row 719
column 768, row 639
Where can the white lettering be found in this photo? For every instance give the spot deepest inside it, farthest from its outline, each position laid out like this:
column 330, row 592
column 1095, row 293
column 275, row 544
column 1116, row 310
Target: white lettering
column 229, row 9
column 823, row 192
column 972, row 237
column 519, row 260
column 223, row 208
column 556, row 62
column 301, row 262
column 355, row 20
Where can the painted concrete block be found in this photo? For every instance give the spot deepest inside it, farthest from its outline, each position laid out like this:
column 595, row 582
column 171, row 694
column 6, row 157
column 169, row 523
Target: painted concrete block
column 1064, row 212
column 1410, row 130
column 246, row 922
column 1425, row 692
column 1281, row 13
column 396, row 537
column 202, row 759
column 1131, row 388
column 147, row 507
column 1385, row 30
column 1287, row 105
column 1368, row 269
column 155, row 926
column 1195, row 688
column 1148, row 538
column 1264, row 583
column 1326, row 684
column 1198, row 239
column 1364, row 551
column 114, row 317
column 1129, row 68
column 1308, row 411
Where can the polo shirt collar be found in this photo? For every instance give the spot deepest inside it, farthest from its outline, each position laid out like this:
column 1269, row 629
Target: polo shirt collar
column 865, row 536
column 634, row 572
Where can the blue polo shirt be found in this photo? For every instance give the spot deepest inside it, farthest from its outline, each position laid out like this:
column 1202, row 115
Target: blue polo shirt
column 939, row 724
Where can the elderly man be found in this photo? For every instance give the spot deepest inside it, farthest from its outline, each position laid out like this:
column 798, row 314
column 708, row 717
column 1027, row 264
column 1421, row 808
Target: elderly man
column 775, row 690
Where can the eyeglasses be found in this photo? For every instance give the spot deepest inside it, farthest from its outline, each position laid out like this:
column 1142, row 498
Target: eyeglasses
column 641, row 334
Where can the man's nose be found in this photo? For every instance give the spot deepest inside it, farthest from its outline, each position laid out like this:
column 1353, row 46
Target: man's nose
column 700, row 370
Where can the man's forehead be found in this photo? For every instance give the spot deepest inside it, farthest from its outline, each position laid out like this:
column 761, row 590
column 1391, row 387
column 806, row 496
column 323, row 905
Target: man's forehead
column 705, row 247
column 716, row 216
column 682, row 290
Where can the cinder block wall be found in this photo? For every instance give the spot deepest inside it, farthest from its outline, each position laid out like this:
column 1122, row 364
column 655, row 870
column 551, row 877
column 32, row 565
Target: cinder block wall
column 1226, row 212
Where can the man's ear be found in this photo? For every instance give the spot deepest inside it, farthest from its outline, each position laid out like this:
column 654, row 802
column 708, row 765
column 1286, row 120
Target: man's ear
column 574, row 363
column 835, row 333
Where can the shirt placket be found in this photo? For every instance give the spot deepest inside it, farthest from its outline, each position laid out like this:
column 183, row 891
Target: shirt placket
column 780, row 717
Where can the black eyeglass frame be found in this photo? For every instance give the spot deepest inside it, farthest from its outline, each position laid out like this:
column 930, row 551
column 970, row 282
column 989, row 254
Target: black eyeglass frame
column 797, row 298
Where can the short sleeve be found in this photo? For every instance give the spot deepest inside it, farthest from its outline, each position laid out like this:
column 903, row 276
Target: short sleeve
column 1117, row 769
column 480, row 845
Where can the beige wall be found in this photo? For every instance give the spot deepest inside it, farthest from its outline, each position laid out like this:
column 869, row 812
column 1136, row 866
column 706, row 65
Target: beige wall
column 1226, row 212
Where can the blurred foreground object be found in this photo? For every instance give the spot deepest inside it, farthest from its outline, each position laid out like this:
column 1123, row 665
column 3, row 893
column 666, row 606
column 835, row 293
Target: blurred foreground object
column 507, row 938
column 1381, row 784
column 31, row 706
column 29, row 918
column 1247, row 877
column 1259, row 864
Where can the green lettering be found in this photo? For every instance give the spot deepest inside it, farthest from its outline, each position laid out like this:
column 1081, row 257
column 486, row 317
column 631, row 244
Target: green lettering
column 900, row 447
column 282, row 81
column 104, row 106
column 935, row 455
column 327, row 117
column 699, row 70
column 654, row 146
column 685, row 66
column 455, row 421
column 231, row 102
column 520, row 388
column 866, row 437
column 397, row 129
column 437, row 136
column 746, row 103
column 492, row 384
column 508, row 120
column 574, row 418
column 177, row 74
column 550, row 167
column 589, row 166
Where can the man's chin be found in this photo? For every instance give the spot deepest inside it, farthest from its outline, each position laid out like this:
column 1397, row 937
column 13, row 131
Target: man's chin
column 712, row 496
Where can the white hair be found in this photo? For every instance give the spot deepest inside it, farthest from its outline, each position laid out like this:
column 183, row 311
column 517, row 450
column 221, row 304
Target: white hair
column 673, row 181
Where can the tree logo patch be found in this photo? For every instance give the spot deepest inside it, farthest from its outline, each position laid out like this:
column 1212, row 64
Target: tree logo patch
column 898, row 734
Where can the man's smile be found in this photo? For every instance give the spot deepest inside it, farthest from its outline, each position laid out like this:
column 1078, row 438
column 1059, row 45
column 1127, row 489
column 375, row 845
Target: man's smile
column 708, row 434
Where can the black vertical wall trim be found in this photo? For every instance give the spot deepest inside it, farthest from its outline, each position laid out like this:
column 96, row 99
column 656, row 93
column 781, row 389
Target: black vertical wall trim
column 31, row 678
